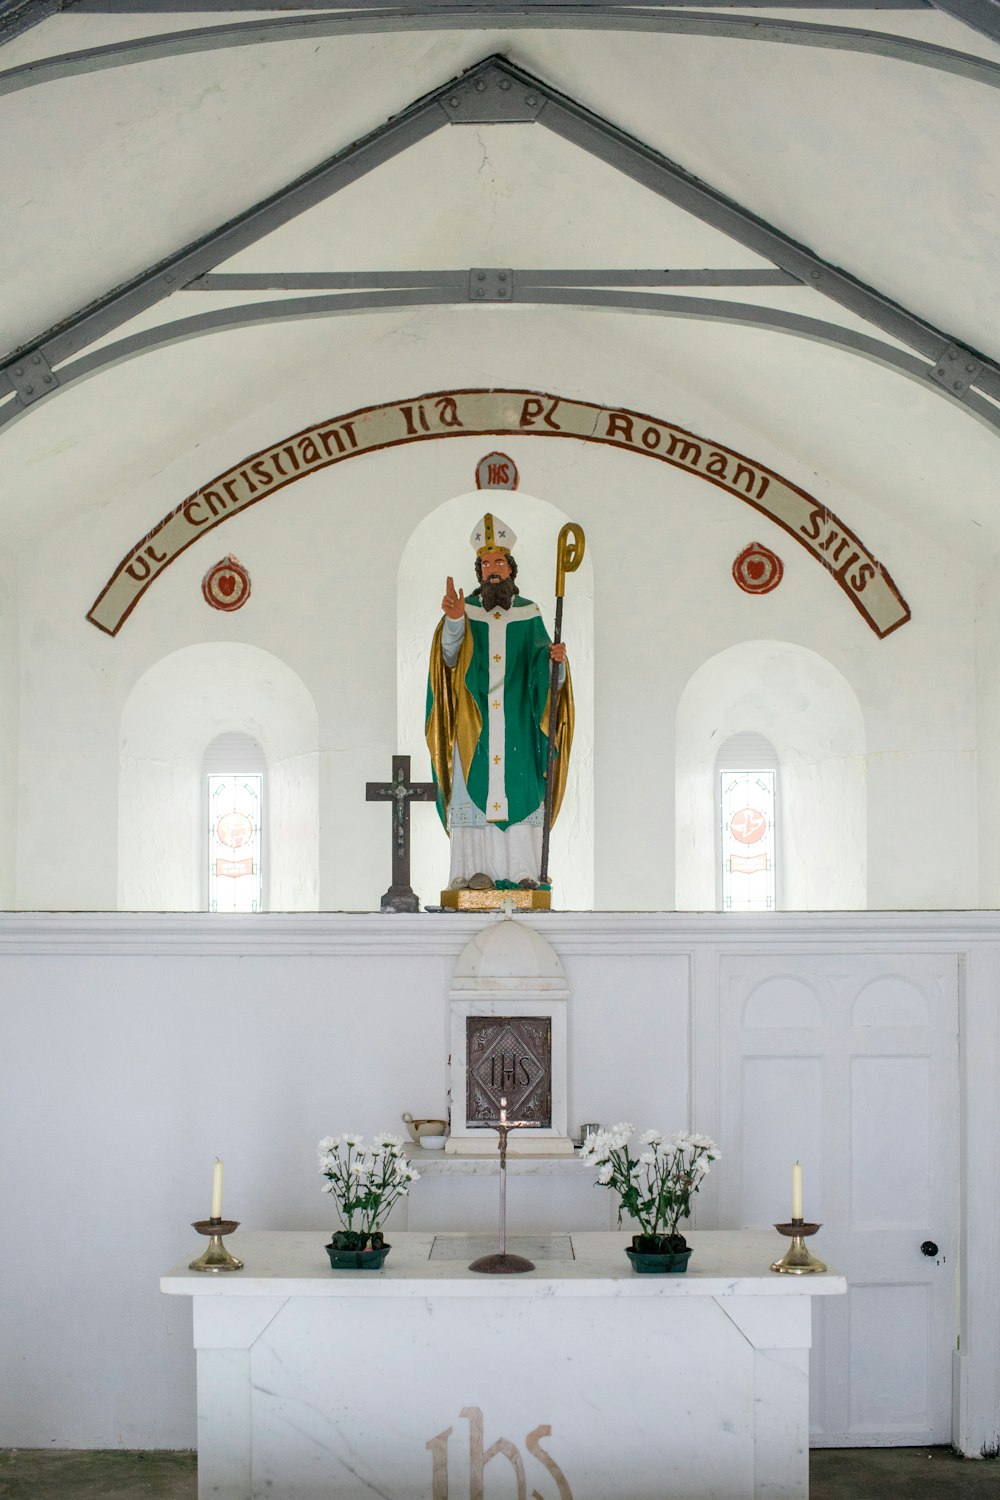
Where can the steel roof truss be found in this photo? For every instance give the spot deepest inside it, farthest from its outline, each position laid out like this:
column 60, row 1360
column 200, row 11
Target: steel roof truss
column 335, row 281
column 18, row 16
column 571, row 121
column 981, row 15
column 472, row 98
column 101, row 317
column 488, row 9
column 585, row 299
column 680, row 20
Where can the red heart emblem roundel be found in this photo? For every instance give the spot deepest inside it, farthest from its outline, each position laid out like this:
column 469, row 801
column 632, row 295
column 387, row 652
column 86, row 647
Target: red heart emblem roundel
column 757, row 570
column 226, row 585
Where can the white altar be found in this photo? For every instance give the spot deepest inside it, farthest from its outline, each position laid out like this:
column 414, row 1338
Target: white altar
column 577, row 1381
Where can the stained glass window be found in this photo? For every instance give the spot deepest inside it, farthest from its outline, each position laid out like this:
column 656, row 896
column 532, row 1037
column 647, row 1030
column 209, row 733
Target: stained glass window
column 234, row 841
column 747, row 778
column 234, row 812
column 747, row 840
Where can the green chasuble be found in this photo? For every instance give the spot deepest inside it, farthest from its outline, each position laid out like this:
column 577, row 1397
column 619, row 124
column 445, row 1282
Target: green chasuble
column 494, row 705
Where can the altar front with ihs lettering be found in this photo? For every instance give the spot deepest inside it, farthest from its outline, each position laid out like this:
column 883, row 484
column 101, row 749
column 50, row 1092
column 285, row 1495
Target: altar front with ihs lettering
column 580, row 1381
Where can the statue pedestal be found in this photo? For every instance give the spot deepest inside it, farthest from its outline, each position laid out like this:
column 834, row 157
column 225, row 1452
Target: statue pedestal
column 495, row 900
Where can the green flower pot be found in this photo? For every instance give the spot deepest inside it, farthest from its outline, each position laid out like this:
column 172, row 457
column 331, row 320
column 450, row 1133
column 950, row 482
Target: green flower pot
column 358, row 1260
column 658, row 1262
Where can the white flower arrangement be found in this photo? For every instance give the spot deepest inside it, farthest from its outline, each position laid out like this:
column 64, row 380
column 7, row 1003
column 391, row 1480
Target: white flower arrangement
column 365, row 1182
column 656, row 1187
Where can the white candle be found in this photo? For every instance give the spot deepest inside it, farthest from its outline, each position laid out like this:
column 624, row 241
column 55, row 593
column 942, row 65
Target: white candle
column 797, row 1191
column 217, row 1190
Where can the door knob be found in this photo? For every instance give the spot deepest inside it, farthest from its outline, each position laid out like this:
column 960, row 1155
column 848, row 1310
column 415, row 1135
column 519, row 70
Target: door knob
column 928, row 1248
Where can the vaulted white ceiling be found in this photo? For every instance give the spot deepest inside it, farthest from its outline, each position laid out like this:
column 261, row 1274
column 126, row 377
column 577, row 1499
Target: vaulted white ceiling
column 886, row 167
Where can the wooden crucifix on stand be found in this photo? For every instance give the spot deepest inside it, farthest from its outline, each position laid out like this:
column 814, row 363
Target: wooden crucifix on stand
column 401, row 792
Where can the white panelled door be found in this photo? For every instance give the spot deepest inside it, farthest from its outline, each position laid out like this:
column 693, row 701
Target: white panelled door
column 850, row 1065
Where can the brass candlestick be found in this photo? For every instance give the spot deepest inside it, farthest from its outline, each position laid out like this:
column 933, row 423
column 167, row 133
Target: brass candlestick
column 216, row 1258
column 796, row 1260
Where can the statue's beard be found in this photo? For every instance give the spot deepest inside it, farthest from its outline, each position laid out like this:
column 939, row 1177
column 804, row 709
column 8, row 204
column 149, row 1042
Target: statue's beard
column 501, row 592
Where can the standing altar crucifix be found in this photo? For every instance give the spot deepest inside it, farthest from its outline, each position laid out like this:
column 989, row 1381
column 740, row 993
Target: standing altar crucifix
column 401, row 791
column 502, row 1262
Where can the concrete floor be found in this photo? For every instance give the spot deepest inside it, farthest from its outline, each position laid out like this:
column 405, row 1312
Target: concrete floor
column 46, row 1474
column 908, row 1473
column 835, row 1474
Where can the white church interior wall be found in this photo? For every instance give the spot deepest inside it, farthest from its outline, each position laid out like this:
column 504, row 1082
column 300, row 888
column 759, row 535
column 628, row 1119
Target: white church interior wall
column 988, row 731
column 69, row 705
column 10, row 696
column 616, row 1000
column 335, row 598
column 987, row 660
column 293, row 833
column 264, row 1053
column 536, row 1204
column 920, row 701
column 333, row 605
column 803, row 705
column 173, row 713
column 251, row 1038
column 977, row 1356
column 668, row 604
column 824, row 834
column 326, row 584
column 262, row 1057
column 322, row 601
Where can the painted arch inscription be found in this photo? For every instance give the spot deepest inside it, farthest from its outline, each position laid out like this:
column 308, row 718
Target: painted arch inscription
column 491, row 413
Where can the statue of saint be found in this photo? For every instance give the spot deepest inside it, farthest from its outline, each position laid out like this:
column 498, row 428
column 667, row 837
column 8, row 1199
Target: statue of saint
column 488, row 721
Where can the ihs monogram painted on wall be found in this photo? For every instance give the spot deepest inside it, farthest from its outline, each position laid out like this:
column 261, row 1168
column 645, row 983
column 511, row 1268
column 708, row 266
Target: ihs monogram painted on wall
column 479, row 1458
column 496, row 472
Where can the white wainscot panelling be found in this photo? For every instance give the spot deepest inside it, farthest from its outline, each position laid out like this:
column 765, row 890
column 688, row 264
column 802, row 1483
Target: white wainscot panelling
column 890, row 1000
column 782, row 1001
column 782, row 1100
column 284, row 1028
column 849, row 1063
column 890, row 1318
column 890, row 1118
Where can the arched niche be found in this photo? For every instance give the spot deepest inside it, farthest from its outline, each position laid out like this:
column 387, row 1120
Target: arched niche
column 810, row 713
column 438, row 547
column 782, row 1000
column 890, row 1000
column 176, row 709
